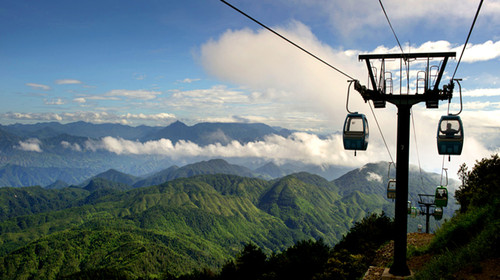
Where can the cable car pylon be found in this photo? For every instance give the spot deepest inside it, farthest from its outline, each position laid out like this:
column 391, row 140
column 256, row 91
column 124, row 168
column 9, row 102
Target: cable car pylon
column 404, row 101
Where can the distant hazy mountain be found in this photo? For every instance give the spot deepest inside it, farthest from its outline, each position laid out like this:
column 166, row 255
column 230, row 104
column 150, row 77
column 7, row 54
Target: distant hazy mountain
column 117, row 176
column 272, row 170
column 8, row 140
column 101, row 184
column 59, row 184
column 209, row 133
column 83, row 129
column 17, row 176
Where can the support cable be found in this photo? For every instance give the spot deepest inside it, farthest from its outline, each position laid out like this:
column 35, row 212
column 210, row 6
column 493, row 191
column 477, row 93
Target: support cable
column 393, row 32
column 442, row 170
column 468, row 36
column 382, row 134
column 416, row 146
column 286, row 39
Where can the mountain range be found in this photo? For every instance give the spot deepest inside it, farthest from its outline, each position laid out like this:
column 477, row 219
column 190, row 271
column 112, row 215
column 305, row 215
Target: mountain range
column 199, row 217
column 66, row 210
column 43, row 153
column 201, row 133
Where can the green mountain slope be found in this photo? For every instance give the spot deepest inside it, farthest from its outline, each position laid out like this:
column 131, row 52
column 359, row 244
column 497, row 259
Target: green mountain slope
column 214, row 166
column 370, row 181
column 197, row 224
column 308, row 208
column 173, row 227
column 32, row 200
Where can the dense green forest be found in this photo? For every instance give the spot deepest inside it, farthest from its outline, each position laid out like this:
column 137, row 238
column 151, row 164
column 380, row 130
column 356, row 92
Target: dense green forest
column 463, row 242
column 105, row 229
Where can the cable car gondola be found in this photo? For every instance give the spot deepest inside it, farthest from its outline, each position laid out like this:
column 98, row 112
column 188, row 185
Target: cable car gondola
column 438, row 213
column 391, row 184
column 441, row 197
column 414, row 212
column 391, row 189
column 450, row 136
column 409, row 207
column 356, row 132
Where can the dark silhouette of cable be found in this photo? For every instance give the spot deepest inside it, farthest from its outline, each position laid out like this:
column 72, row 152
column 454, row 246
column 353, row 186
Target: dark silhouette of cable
column 468, row 36
column 393, row 32
column 381, row 133
column 286, row 39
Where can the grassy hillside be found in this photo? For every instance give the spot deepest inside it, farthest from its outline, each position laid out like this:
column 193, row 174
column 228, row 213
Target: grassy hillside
column 472, row 236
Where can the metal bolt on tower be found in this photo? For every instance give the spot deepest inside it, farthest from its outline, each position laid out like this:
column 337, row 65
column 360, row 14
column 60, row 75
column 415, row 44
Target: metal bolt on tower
column 426, row 90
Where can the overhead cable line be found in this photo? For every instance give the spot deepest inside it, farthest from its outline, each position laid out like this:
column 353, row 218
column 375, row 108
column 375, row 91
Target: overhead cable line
column 382, row 134
column 373, row 112
column 468, row 36
column 416, row 146
column 411, row 110
column 393, row 32
column 442, row 170
column 286, row 39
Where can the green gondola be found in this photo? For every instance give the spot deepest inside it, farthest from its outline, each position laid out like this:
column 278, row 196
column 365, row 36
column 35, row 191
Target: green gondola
column 438, row 213
column 415, row 212
column 441, row 197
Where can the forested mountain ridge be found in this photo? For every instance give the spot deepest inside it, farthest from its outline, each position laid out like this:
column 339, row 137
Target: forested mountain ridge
column 193, row 222
column 214, row 166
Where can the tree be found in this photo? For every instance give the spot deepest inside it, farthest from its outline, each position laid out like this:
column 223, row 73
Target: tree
column 301, row 261
column 481, row 185
column 368, row 234
column 250, row 264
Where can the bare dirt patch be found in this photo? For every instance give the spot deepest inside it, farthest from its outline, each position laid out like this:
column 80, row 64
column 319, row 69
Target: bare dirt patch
column 485, row 270
column 385, row 254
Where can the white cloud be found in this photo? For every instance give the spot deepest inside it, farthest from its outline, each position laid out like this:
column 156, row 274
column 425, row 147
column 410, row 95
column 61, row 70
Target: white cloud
column 303, row 147
column 135, row 94
column 214, row 96
column 79, row 100
column 489, row 50
column 374, row 177
column 481, row 92
column 188, row 80
column 57, row 101
column 30, row 145
column 284, row 82
column 159, row 116
column 32, row 116
column 281, row 75
column 365, row 19
column 139, row 77
column 67, row 82
column 92, row 117
column 38, row 86
column 74, row 146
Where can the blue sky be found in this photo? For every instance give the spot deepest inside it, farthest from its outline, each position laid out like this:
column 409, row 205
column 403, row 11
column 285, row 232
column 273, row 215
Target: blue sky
column 154, row 62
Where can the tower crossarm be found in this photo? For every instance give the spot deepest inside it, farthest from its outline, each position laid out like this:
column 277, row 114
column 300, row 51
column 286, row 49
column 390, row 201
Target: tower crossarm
column 431, row 94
